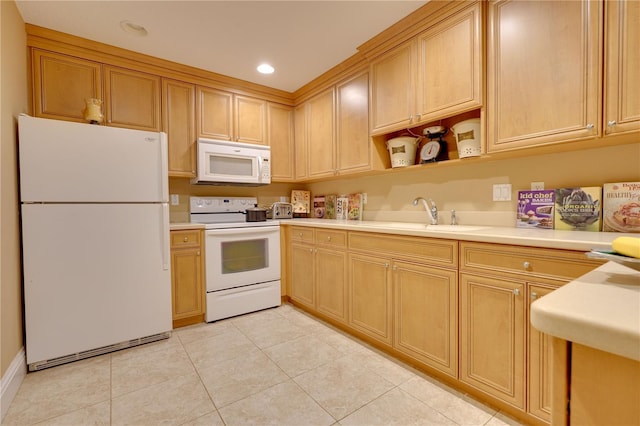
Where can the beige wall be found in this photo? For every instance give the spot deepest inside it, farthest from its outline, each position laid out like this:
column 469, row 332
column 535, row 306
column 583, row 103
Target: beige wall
column 468, row 188
column 13, row 90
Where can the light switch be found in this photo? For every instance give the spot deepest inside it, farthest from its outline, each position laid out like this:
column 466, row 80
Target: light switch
column 175, row 199
column 502, row 192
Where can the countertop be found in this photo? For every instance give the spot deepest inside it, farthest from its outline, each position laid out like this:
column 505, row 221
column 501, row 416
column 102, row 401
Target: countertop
column 185, row 226
column 601, row 309
column 569, row 240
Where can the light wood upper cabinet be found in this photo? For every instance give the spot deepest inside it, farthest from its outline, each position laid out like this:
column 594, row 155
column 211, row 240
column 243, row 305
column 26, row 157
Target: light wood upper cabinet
column 131, row 99
column 61, row 84
column 226, row 116
column 353, row 145
column 543, row 72
column 214, row 109
column 179, row 123
column 436, row 74
column 622, row 67
column 392, row 89
column 280, row 139
column 300, row 141
column 250, row 120
column 450, row 63
column 321, row 134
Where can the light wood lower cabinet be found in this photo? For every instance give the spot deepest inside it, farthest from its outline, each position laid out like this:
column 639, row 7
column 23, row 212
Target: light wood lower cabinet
column 492, row 337
column 426, row 314
column 457, row 309
column 500, row 352
column 370, row 296
column 187, row 273
column 539, row 368
column 318, row 271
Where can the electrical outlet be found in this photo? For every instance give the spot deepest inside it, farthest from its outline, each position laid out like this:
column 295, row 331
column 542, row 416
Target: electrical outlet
column 537, row 186
column 175, row 199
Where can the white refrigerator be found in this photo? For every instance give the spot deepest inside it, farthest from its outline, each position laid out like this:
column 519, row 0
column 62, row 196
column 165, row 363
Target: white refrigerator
column 95, row 239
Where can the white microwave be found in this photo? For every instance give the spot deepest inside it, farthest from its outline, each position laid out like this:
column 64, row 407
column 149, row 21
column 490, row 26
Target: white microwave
column 232, row 163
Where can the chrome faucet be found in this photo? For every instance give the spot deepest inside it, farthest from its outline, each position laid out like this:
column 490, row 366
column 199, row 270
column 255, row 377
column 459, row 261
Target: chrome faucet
column 431, row 211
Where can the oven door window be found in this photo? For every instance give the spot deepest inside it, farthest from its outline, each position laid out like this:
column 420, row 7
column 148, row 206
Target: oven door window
column 244, row 256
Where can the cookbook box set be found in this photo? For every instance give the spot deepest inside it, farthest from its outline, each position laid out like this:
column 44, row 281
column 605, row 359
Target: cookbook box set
column 614, row 207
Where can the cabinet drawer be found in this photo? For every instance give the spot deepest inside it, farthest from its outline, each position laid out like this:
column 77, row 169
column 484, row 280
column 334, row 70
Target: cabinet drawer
column 426, row 250
column 190, row 238
column 301, row 233
column 498, row 259
column 331, row 238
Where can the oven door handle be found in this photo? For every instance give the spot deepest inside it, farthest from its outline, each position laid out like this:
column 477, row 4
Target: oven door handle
column 254, row 230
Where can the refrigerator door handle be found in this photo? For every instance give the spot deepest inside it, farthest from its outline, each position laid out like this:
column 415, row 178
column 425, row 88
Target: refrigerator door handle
column 164, row 167
column 165, row 237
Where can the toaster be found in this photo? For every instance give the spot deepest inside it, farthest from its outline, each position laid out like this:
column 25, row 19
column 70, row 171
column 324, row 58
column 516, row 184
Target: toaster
column 280, row 210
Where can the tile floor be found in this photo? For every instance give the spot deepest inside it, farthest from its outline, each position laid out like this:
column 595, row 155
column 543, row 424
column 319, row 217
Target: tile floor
column 274, row 367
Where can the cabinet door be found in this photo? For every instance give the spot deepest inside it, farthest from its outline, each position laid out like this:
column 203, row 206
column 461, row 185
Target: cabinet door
column 548, row 92
column 426, row 315
column 540, row 356
column 132, row 99
column 213, row 109
column 280, row 139
column 449, row 79
column 302, row 267
column 186, row 283
column 179, row 123
column 370, row 296
column 300, row 141
column 250, row 120
column 622, row 67
column 62, row 83
column 492, row 337
column 353, row 145
column 331, row 283
column 392, row 89
column 320, row 134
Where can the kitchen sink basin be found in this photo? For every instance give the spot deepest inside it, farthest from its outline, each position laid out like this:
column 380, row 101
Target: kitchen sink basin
column 455, row 228
column 425, row 227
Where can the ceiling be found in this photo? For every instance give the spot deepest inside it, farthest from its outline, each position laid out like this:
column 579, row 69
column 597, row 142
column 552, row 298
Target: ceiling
column 301, row 39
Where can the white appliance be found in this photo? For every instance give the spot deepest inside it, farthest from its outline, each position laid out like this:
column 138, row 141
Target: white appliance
column 232, row 163
column 242, row 259
column 95, row 239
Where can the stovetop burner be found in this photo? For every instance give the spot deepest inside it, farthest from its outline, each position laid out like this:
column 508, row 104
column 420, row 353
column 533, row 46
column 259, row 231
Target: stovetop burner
column 224, row 212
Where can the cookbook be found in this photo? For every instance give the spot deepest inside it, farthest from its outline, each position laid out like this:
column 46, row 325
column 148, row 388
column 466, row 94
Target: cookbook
column 621, row 207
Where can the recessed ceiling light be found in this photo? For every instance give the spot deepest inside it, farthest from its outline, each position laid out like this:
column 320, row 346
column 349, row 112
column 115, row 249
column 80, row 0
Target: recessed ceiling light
column 265, row 69
column 133, row 28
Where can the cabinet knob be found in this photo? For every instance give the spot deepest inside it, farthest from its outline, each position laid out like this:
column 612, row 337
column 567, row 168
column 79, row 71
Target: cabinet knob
column 418, row 117
column 516, row 291
column 395, row 267
column 198, row 253
column 300, row 234
column 329, row 238
column 526, row 266
column 386, row 266
column 611, row 123
column 590, row 126
column 411, row 118
column 185, row 239
column 311, row 250
column 534, row 295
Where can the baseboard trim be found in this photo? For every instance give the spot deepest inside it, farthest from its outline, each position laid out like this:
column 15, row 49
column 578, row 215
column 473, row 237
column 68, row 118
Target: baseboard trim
column 11, row 381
